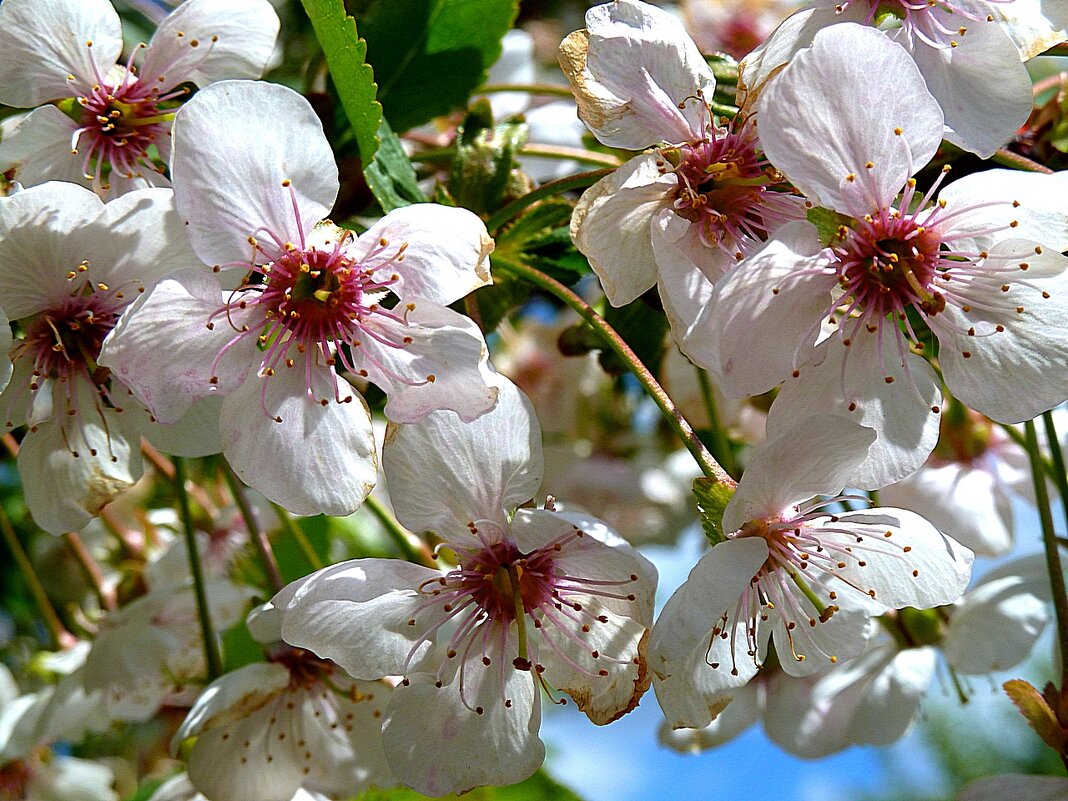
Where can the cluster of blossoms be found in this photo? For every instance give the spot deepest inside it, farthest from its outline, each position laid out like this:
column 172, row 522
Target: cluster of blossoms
column 172, row 285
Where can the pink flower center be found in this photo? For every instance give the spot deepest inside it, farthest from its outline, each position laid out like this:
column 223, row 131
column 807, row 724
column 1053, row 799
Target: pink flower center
column 322, row 306
column 497, row 587
column 14, row 776
column 940, row 24
column 730, row 191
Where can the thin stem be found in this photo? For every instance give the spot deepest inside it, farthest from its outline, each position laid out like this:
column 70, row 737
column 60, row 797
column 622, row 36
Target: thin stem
column 60, row 635
column 1007, row 158
column 258, row 536
column 512, row 210
column 164, row 466
column 709, row 466
column 572, row 153
column 420, row 556
column 720, row 440
column 1049, row 539
column 104, row 593
column 553, row 90
column 293, row 530
column 207, row 632
column 1060, row 477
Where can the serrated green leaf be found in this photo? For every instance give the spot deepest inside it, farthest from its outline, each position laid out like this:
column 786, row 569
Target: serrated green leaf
column 353, row 77
column 712, row 499
column 827, row 222
column 390, row 175
column 430, row 55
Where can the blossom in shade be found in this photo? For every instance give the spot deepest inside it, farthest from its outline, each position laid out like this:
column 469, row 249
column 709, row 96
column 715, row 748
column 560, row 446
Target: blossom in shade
column 977, row 264
column 88, row 262
column 314, row 301
column 179, row 788
column 795, row 573
column 294, row 723
column 109, row 126
column 531, row 601
column 682, row 215
column 967, row 59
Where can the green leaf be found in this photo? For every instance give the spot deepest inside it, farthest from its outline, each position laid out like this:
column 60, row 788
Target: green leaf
column 430, row 55
column 712, row 499
column 353, row 77
column 386, row 167
column 391, row 176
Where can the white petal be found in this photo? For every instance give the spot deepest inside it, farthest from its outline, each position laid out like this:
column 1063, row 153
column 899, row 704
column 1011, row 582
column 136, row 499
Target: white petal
column 38, row 150
column 1017, row 373
column 444, row 366
column 329, row 445
column 1033, row 25
column 195, row 434
column 631, row 70
column 842, row 131
column 764, row 315
column 683, row 648
column 807, row 647
column 1004, row 204
column 611, row 222
column 44, row 41
column 869, row 700
column 235, row 143
column 173, row 318
column 443, row 473
column 998, row 621
column 44, row 226
column 744, row 710
column 73, row 465
column 903, row 559
column 983, row 89
column 445, row 251
column 356, row 613
column 813, row 457
column 436, row 744
column 233, row 40
column 232, row 697
column 852, row 383
column 967, row 503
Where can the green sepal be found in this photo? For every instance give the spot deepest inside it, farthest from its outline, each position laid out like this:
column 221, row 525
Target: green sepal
column 712, row 499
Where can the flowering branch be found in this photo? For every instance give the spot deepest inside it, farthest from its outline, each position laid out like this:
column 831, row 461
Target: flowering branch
column 709, row 466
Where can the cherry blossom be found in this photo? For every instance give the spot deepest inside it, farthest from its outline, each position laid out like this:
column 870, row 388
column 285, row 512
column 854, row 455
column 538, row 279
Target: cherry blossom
column 796, row 572
column 967, row 59
column 179, row 788
column 296, row 722
column 315, row 300
column 91, row 261
column 979, row 266
column 111, row 119
column 536, row 600
column 680, row 216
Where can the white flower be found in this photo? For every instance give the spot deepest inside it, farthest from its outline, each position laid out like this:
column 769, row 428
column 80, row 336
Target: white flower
column 537, row 600
column 179, row 788
column 268, row 730
column 789, row 571
column 67, row 50
column 980, row 266
column 681, row 216
column 87, row 262
column 151, row 650
column 255, row 176
column 968, row 61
